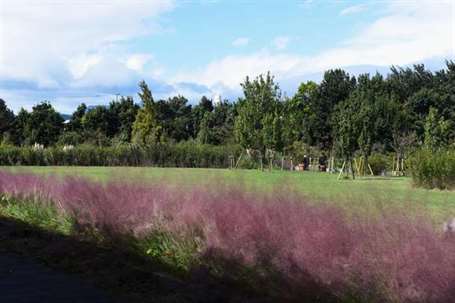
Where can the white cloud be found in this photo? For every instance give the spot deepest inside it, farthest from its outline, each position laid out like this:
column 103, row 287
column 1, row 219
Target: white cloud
column 79, row 65
column 409, row 32
column 281, row 43
column 53, row 41
column 354, row 9
column 137, row 61
column 241, row 41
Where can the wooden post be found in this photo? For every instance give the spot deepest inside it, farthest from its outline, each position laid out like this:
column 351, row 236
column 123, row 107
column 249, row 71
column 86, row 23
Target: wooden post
column 371, row 171
column 262, row 166
column 352, row 169
column 292, row 164
column 341, row 171
column 238, row 160
column 282, row 162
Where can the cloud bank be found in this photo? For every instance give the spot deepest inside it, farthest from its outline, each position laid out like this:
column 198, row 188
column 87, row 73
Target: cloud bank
column 73, row 51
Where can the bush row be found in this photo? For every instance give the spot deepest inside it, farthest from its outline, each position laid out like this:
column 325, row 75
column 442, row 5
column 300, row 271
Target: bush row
column 186, row 154
column 433, row 169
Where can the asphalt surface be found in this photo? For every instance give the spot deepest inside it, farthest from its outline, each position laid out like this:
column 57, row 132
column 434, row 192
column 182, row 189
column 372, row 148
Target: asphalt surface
column 24, row 281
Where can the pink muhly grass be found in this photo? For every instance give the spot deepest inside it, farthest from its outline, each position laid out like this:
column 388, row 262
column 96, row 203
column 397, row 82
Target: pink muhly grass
column 388, row 258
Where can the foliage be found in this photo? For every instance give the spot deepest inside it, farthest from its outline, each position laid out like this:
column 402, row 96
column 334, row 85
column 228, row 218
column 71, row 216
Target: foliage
column 6, row 121
column 380, row 163
column 433, row 169
column 185, row 154
column 397, row 113
column 437, row 131
column 256, row 114
column 145, row 129
column 43, row 125
column 335, row 87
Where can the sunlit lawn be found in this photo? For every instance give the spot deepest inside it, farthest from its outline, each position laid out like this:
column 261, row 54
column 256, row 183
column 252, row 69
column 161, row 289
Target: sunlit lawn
column 359, row 194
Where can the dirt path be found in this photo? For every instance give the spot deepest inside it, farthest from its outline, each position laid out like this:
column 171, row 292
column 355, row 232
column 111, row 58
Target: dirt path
column 24, row 281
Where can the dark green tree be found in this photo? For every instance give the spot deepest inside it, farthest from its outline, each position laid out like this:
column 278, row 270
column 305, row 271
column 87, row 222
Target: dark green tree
column 335, row 87
column 346, row 130
column 98, row 120
column 6, row 123
column 44, row 125
column 75, row 123
column 123, row 114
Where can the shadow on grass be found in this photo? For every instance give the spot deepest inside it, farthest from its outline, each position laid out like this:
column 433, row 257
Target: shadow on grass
column 130, row 277
column 115, row 268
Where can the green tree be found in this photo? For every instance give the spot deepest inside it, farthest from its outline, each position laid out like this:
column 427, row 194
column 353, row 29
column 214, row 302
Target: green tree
column 198, row 113
column 437, row 131
column 335, row 87
column 123, row 114
column 20, row 126
column 6, row 122
column 145, row 127
column 261, row 98
column 75, row 123
column 204, row 135
column 345, row 128
column 296, row 109
column 44, row 125
column 98, row 120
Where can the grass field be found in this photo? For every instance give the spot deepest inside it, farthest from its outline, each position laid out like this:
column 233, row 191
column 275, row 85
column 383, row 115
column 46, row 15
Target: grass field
column 360, row 194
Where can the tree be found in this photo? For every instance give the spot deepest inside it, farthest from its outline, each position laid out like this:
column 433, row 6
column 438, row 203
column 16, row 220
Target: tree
column 335, row 87
column 204, row 134
column 123, row 114
column 44, row 125
column 272, row 132
column 261, row 98
column 345, row 128
column 179, row 126
column 6, row 122
column 437, row 131
column 75, row 123
column 20, row 126
column 367, row 130
column 145, row 127
column 98, row 120
column 198, row 113
column 296, row 109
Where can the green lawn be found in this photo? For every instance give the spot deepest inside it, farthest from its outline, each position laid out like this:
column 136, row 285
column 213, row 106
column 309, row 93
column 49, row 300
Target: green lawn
column 359, row 194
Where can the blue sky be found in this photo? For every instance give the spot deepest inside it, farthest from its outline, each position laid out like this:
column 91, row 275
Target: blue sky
column 73, row 51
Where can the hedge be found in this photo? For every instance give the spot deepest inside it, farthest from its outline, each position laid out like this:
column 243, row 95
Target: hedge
column 187, row 154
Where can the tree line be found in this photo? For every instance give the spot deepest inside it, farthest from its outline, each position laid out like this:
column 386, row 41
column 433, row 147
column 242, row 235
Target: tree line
column 343, row 115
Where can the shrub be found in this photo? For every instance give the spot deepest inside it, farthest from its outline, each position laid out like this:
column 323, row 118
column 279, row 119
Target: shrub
column 379, row 163
column 433, row 169
column 185, row 154
column 280, row 243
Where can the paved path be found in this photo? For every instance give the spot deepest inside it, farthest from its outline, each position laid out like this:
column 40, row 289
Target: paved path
column 23, row 281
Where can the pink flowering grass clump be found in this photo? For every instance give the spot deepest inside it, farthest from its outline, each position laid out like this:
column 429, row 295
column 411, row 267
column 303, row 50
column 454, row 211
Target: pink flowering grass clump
column 281, row 242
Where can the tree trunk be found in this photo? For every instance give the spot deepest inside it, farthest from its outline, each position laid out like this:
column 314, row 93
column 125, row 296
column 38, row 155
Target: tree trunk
column 352, row 169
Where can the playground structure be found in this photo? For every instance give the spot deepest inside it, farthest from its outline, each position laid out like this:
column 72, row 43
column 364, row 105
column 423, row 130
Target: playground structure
column 357, row 167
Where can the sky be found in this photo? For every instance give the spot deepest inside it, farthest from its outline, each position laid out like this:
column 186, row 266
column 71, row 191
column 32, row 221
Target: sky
column 73, row 51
